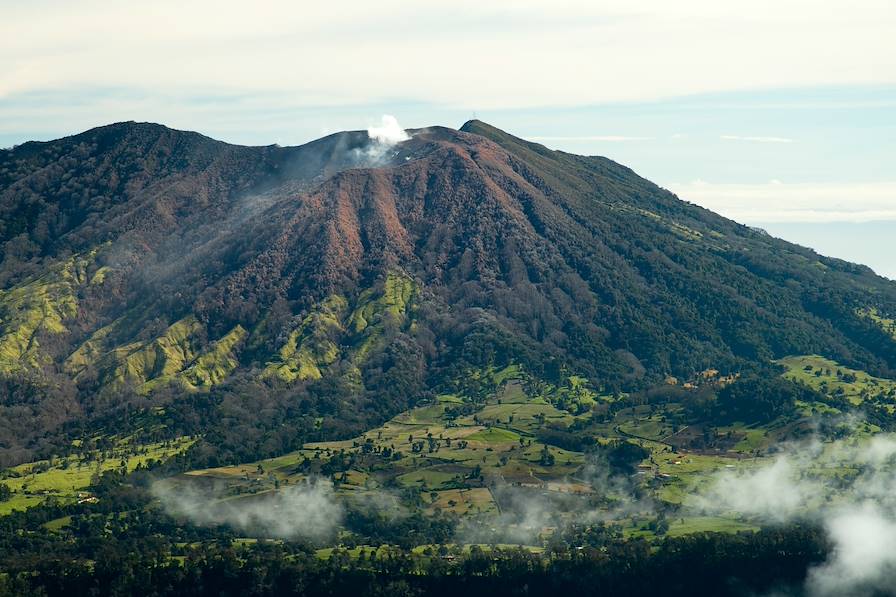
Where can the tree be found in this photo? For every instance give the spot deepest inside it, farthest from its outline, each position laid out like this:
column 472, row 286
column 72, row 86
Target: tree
column 547, row 459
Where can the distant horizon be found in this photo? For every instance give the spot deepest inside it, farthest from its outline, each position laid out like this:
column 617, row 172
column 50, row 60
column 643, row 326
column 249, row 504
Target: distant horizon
column 770, row 113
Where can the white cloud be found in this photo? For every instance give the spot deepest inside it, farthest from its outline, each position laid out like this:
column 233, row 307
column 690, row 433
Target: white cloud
column 757, row 139
column 864, row 556
column 463, row 53
column 309, row 509
column 604, row 138
column 858, row 512
column 768, row 492
column 794, row 202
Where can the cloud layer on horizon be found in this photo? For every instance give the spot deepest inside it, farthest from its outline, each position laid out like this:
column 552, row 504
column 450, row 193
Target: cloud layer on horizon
column 794, row 202
column 463, row 53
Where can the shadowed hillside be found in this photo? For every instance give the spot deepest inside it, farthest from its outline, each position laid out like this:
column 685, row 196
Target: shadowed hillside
column 332, row 285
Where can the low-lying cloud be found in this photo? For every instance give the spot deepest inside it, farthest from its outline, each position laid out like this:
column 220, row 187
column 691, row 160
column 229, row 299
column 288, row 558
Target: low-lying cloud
column 773, row 492
column 527, row 510
column 307, row 510
column 781, row 202
column 864, row 558
column 848, row 488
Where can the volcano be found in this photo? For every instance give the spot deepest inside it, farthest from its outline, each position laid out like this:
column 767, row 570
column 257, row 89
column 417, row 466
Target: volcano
column 259, row 294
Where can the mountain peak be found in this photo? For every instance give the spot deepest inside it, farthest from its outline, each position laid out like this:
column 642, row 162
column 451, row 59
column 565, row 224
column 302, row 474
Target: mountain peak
column 518, row 145
column 504, row 248
column 474, row 124
column 483, row 129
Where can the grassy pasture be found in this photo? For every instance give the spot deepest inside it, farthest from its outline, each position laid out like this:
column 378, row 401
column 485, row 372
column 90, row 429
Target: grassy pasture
column 426, row 477
column 652, row 427
column 66, row 478
column 494, row 436
column 476, row 500
column 886, row 323
column 450, row 457
column 526, row 417
column 701, row 524
column 829, row 377
column 58, row 524
column 453, row 461
column 20, row 502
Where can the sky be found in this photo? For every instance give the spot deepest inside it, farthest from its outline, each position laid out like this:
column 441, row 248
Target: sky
column 777, row 113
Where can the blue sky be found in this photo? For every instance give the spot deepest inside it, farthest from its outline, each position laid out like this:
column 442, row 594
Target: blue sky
column 780, row 114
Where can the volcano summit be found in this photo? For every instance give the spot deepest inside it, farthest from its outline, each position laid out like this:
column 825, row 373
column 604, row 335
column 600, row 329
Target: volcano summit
column 346, row 279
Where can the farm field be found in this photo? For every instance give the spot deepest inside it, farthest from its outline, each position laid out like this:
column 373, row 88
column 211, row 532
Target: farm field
column 479, row 458
column 454, row 454
column 835, row 380
column 67, row 479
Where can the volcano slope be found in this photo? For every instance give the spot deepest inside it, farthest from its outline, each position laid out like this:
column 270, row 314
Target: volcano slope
column 160, row 284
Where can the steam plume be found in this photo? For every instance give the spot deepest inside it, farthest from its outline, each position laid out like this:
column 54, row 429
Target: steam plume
column 389, row 132
column 383, row 140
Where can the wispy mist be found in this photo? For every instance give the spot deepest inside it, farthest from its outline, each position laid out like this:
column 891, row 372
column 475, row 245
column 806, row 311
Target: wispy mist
column 776, row 492
column 848, row 487
column 524, row 513
column 307, row 510
column 863, row 561
column 528, row 512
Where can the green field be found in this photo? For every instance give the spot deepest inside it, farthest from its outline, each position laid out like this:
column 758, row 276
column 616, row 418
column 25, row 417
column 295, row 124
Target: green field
column 886, row 323
column 833, row 379
column 462, row 455
column 65, row 479
column 452, row 461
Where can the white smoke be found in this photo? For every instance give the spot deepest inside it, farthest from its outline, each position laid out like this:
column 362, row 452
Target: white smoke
column 383, row 140
column 389, row 132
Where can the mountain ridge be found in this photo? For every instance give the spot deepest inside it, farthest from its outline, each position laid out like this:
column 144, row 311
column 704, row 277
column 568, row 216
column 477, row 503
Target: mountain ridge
column 517, row 254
